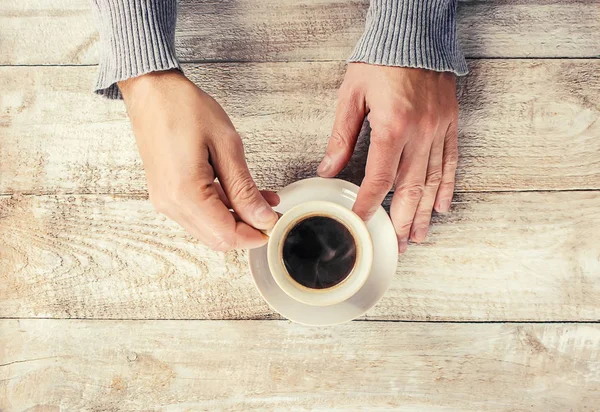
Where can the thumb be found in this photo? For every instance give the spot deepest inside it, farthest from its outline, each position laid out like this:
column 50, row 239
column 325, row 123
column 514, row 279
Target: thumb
column 349, row 118
column 246, row 200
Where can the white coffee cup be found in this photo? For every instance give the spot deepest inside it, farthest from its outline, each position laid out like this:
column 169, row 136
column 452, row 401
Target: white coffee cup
column 334, row 294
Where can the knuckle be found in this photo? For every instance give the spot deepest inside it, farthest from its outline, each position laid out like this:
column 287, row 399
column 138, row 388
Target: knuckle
column 412, row 193
column 385, row 137
column 243, row 189
column 340, row 139
column 403, row 227
column 451, row 160
column 388, row 131
column 405, row 110
column 434, row 177
column 380, row 183
column 452, row 135
column 422, row 217
column 447, row 187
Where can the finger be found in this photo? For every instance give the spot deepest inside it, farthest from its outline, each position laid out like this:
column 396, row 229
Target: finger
column 380, row 172
column 230, row 166
column 409, row 189
column 422, row 219
column 205, row 216
column 246, row 236
column 206, row 237
column 449, row 163
column 272, row 198
column 349, row 117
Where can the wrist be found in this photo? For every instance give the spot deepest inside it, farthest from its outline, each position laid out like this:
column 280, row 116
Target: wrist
column 137, row 37
column 146, row 82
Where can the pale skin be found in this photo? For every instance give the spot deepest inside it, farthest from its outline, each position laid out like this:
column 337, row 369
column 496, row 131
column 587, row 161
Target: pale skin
column 186, row 141
column 413, row 115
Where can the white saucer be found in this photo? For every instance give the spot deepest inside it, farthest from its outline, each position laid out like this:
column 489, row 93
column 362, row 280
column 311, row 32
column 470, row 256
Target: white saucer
column 385, row 258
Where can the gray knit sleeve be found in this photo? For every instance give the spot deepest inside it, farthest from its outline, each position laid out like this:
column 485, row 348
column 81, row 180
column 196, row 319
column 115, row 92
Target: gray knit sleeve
column 411, row 33
column 137, row 37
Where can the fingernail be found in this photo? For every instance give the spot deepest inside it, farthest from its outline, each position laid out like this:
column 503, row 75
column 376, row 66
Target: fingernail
column 420, row 234
column 402, row 245
column 444, row 206
column 325, row 165
column 265, row 214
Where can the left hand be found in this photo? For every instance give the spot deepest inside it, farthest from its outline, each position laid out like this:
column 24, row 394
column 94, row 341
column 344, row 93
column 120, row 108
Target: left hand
column 413, row 114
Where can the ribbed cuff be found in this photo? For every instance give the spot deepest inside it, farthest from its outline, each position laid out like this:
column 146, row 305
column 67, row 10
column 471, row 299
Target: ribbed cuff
column 137, row 36
column 411, row 33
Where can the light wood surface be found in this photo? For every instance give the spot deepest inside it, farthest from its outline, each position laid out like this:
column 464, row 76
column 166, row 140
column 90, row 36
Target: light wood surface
column 525, row 125
column 47, row 32
column 63, row 31
column 505, row 256
column 291, row 30
column 107, row 306
column 53, row 365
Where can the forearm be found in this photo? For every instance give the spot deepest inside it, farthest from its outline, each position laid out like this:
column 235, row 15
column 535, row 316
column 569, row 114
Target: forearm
column 137, row 37
column 411, row 33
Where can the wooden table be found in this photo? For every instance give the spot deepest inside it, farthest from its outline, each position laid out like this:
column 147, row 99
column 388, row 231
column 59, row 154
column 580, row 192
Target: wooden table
column 106, row 305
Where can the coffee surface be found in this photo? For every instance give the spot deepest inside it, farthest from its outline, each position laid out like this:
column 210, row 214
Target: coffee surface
column 319, row 252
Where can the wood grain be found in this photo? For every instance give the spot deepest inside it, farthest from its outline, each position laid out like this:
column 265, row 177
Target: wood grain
column 503, row 256
column 525, row 125
column 47, row 32
column 291, row 30
column 79, row 240
column 63, row 32
column 56, row 365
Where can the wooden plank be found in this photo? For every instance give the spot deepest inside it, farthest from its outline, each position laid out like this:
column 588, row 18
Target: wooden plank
column 56, row 365
column 47, row 32
column 291, row 30
column 63, row 32
column 525, row 125
column 497, row 256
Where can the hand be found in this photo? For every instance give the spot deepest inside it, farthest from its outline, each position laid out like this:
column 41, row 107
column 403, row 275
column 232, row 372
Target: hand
column 186, row 140
column 413, row 114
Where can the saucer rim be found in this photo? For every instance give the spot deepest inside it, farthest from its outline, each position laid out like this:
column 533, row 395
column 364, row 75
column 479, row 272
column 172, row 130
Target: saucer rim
column 387, row 278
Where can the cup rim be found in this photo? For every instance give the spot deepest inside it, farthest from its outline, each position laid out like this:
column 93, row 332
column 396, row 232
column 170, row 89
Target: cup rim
column 351, row 283
column 298, row 219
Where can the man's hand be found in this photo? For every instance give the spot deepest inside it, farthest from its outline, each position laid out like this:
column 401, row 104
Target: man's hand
column 186, row 140
column 413, row 114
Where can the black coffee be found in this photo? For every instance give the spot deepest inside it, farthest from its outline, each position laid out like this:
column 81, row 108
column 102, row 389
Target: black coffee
column 319, row 252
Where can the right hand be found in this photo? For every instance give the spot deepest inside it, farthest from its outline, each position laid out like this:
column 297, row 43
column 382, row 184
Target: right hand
column 186, row 140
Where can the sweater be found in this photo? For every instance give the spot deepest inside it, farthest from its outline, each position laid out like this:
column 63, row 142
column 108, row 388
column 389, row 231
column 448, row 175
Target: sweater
column 138, row 37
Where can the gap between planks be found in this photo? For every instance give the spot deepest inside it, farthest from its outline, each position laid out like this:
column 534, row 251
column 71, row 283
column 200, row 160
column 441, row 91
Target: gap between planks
column 272, row 319
column 145, row 194
column 225, row 61
column 497, row 257
column 529, row 125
